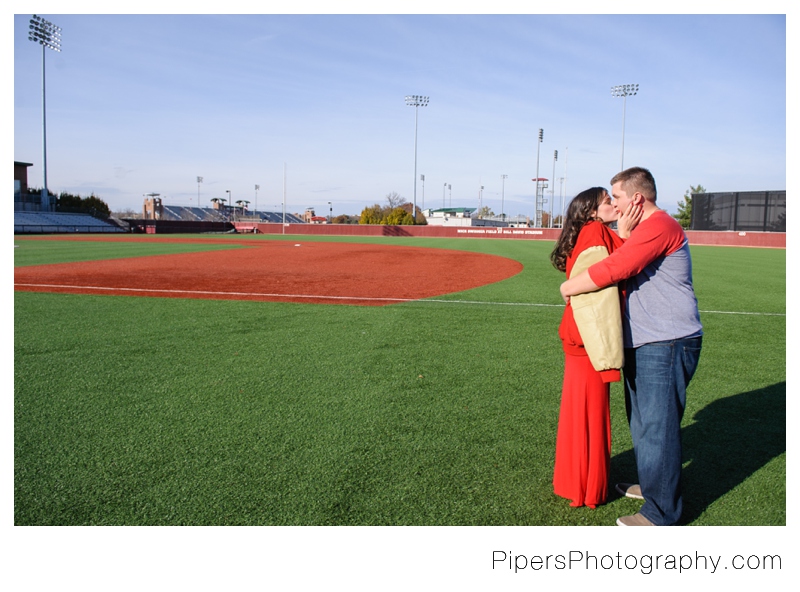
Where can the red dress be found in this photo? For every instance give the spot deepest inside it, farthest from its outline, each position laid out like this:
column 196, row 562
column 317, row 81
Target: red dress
column 583, row 443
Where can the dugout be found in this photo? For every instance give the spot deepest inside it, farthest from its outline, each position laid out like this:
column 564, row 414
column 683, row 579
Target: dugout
column 750, row 211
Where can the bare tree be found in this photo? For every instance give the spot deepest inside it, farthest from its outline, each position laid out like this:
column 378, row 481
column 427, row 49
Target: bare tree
column 394, row 200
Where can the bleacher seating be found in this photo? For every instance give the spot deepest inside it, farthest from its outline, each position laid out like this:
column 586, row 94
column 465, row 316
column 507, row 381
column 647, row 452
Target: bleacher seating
column 30, row 222
column 175, row 213
column 189, row 213
column 60, row 222
column 277, row 217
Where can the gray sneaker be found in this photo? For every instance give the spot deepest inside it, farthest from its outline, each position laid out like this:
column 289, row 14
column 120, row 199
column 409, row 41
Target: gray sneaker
column 629, row 490
column 635, row 520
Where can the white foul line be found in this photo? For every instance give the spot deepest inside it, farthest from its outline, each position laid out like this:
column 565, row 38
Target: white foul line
column 209, row 293
column 353, row 298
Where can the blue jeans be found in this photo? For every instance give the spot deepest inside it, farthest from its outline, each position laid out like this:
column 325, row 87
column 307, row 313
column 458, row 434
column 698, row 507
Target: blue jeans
column 656, row 377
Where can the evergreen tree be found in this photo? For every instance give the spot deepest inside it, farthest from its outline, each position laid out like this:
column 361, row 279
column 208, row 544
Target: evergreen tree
column 95, row 205
column 684, row 215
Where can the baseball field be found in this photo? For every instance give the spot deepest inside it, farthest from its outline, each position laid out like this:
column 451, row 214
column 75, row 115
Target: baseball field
column 232, row 380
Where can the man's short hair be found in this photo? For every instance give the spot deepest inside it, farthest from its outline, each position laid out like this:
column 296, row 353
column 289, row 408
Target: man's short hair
column 637, row 179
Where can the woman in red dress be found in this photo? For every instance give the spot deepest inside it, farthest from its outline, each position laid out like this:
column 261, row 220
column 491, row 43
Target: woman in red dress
column 591, row 335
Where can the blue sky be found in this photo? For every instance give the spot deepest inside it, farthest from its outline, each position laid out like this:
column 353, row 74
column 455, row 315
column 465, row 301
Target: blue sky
column 146, row 103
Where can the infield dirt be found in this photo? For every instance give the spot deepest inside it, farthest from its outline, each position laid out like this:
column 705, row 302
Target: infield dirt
column 309, row 272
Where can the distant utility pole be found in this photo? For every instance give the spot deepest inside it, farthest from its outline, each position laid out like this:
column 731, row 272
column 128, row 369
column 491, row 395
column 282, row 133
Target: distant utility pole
column 48, row 36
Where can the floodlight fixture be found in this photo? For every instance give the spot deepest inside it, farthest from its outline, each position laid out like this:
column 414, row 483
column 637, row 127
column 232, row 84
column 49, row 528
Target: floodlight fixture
column 44, row 33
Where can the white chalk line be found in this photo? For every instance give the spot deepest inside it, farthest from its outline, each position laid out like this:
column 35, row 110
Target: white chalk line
column 211, row 293
column 343, row 298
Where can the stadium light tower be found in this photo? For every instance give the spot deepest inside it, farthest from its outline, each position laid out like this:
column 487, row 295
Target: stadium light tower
column 538, row 145
column 564, row 198
column 503, row 198
column 422, row 178
column 48, row 36
column 624, row 91
column 199, row 180
column 416, row 101
column 553, row 188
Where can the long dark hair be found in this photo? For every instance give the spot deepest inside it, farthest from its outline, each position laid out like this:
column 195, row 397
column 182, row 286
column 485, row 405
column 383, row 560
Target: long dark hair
column 580, row 210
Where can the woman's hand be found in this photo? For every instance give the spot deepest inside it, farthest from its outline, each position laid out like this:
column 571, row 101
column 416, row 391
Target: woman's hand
column 629, row 219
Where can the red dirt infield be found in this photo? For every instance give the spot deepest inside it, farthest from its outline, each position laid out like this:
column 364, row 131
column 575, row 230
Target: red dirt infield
column 275, row 271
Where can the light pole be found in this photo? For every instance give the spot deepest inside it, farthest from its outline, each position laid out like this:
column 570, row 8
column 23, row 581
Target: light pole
column 553, row 188
column 230, row 202
column 255, row 207
column 330, row 216
column 422, row 178
column 450, row 193
column 443, row 189
column 199, row 180
column 564, row 199
column 48, row 36
column 416, row 101
column 538, row 209
column 283, row 222
column 503, row 198
column 624, row 91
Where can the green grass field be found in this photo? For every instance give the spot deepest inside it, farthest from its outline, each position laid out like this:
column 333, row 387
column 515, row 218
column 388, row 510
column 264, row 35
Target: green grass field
column 159, row 411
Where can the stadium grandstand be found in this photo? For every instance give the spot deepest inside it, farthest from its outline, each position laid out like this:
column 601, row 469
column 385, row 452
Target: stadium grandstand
column 36, row 214
column 174, row 213
column 60, row 222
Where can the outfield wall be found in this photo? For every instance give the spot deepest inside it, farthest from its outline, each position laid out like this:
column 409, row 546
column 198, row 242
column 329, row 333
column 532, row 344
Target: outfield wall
column 737, row 239
column 696, row 237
